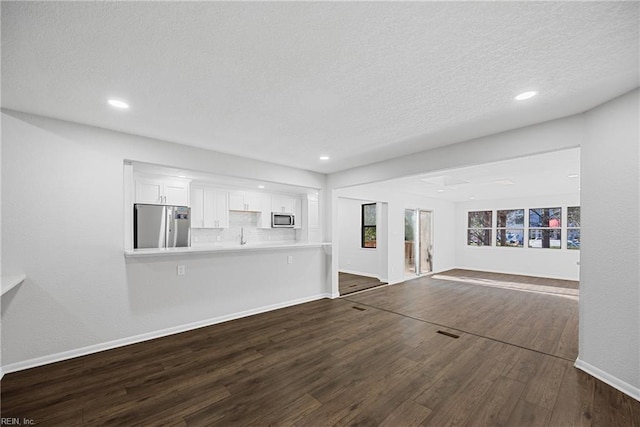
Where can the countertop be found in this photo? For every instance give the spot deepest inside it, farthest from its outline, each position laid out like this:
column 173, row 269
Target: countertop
column 223, row 247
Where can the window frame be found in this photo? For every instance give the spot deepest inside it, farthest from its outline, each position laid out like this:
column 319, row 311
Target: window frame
column 506, row 228
column 470, row 229
column 548, row 229
column 574, row 228
column 364, row 227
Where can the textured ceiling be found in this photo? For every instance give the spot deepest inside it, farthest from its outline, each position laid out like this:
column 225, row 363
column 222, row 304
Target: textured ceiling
column 287, row 81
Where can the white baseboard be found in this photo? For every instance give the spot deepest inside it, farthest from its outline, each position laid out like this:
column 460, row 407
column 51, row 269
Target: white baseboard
column 614, row 382
column 96, row 348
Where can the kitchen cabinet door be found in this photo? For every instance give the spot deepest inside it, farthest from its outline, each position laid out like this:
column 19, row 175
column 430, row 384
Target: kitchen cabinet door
column 253, row 202
column 149, row 190
column 162, row 191
column 176, row 193
column 245, row 201
column 236, row 201
column 209, row 208
column 282, row 204
column 197, row 208
column 221, row 209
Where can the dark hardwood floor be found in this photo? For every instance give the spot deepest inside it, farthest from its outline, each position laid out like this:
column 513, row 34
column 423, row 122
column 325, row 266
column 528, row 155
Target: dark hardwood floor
column 350, row 283
column 375, row 358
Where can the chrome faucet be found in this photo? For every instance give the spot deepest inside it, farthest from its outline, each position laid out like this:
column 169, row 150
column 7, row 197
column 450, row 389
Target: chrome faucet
column 243, row 241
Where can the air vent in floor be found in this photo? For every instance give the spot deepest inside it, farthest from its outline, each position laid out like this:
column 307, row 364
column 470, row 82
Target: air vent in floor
column 449, row 334
column 359, row 308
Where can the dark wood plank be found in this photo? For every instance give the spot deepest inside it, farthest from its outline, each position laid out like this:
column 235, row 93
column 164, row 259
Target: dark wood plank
column 350, row 283
column 326, row 363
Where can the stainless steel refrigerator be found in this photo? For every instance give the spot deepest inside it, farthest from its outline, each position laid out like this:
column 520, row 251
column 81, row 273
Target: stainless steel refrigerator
column 160, row 226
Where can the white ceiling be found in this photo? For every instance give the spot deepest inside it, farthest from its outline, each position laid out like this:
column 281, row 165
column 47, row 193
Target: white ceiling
column 555, row 173
column 287, row 81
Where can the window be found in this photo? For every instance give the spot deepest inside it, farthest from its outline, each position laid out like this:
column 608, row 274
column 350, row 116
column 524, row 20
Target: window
column 479, row 228
column 510, row 230
column 369, row 225
column 573, row 227
column 544, row 228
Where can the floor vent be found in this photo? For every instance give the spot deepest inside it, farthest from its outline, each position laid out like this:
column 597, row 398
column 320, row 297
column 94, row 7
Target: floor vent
column 449, row 334
column 359, row 308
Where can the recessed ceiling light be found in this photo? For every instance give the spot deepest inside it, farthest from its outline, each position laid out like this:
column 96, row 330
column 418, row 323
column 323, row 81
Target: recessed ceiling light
column 525, row 95
column 324, row 157
column 118, row 104
column 260, row 186
column 440, row 190
column 472, row 198
column 573, row 175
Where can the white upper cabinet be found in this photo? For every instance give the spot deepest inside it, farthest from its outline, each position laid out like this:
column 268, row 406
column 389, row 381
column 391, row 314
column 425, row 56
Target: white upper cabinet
column 288, row 204
column 282, row 204
column 246, row 201
column 162, row 191
column 209, row 208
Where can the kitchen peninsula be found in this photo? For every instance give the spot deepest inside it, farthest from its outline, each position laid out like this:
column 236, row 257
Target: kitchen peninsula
column 238, row 261
column 224, row 248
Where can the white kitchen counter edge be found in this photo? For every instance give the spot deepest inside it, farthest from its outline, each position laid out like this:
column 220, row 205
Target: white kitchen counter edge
column 203, row 249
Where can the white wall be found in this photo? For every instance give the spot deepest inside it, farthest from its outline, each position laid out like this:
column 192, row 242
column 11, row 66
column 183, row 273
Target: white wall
column 610, row 272
column 397, row 202
column 555, row 263
column 353, row 258
column 62, row 212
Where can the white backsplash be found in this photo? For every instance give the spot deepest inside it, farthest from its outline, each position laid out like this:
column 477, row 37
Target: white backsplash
column 248, row 221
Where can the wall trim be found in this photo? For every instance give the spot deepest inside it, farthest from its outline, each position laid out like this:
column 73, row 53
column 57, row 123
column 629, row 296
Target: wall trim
column 96, row 348
column 614, row 382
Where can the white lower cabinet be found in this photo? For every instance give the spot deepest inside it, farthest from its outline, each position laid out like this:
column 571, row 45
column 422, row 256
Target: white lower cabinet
column 209, row 208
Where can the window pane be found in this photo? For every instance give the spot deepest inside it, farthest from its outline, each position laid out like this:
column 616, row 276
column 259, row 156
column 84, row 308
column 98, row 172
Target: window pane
column 369, row 237
column 573, row 239
column 369, row 214
column 510, row 237
column 479, row 237
column 511, row 218
column 573, row 216
column 480, row 219
column 545, row 217
column 544, row 238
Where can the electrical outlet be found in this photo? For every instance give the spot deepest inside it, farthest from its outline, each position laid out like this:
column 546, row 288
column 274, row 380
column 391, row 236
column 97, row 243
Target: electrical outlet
column 290, row 259
column 181, row 270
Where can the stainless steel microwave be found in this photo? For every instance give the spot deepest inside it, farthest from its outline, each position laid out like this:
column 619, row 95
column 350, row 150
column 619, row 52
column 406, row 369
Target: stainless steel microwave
column 282, row 220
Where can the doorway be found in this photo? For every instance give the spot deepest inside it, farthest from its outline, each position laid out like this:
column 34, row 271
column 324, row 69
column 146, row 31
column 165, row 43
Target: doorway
column 418, row 242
